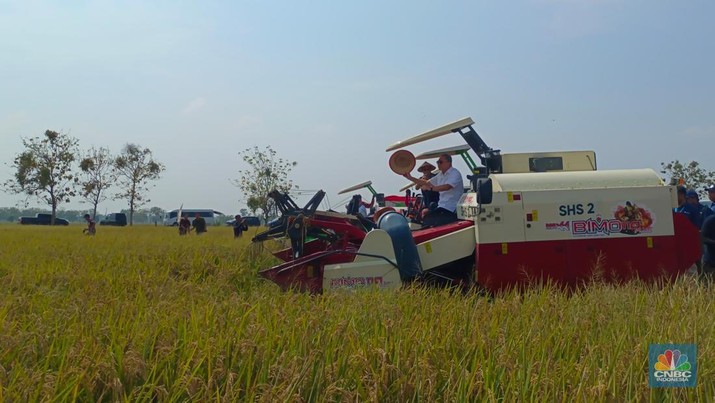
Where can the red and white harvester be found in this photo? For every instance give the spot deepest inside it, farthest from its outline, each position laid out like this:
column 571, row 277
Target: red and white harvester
column 525, row 218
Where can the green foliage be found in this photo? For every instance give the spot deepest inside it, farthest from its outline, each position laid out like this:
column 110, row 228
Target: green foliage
column 693, row 176
column 157, row 214
column 44, row 170
column 97, row 176
column 135, row 167
column 253, row 204
column 267, row 172
column 141, row 314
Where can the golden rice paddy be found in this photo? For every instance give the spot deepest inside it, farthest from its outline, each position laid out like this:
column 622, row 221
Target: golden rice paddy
column 141, row 314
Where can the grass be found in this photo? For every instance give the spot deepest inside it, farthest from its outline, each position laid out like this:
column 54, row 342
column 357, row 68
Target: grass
column 138, row 314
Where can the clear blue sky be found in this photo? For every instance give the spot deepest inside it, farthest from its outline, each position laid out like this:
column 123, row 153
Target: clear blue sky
column 330, row 84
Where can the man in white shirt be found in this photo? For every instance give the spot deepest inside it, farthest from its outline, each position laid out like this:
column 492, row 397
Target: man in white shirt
column 448, row 182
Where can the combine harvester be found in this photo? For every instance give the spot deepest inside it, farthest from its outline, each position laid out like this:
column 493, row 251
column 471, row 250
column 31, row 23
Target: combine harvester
column 526, row 218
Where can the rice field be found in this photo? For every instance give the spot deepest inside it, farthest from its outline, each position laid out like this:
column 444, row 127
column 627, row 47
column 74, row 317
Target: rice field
column 141, row 314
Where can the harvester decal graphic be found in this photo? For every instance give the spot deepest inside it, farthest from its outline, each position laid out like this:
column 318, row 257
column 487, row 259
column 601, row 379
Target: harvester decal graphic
column 632, row 213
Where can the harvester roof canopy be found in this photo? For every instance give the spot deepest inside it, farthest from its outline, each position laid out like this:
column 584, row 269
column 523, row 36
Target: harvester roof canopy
column 449, row 150
column 440, row 131
column 356, row 187
column 576, row 180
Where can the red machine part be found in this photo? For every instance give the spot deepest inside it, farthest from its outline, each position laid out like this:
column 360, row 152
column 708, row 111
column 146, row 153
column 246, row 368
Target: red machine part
column 571, row 262
column 305, row 274
column 424, row 235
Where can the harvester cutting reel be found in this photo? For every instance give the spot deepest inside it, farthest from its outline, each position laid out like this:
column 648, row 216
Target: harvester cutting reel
column 300, row 225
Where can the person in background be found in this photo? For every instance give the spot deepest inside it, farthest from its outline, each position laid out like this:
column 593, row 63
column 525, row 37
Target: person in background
column 239, row 225
column 428, row 196
column 686, row 208
column 91, row 226
column 184, row 225
column 682, row 190
column 700, row 212
column 358, row 206
column 707, row 235
column 199, row 224
column 711, row 196
column 448, row 182
column 364, row 206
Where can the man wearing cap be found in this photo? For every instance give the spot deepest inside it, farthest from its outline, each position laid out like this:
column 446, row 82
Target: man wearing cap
column 691, row 208
column 448, row 182
column 428, row 196
column 701, row 212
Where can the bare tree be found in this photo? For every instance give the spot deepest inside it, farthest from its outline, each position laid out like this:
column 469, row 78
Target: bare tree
column 44, row 169
column 97, row 176
column 135, row 168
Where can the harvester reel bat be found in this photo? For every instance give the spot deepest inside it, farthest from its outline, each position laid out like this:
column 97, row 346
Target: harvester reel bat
column 289, row 211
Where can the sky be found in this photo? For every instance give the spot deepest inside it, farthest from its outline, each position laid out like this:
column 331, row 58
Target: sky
column 331, row 84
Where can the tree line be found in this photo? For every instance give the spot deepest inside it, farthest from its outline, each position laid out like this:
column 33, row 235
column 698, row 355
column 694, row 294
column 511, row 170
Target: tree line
column 141, row 216
column 53, row 170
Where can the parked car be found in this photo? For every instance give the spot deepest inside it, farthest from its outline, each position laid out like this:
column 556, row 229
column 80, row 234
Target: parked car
column 251, row 221
column 42, row 219
column 115, row 219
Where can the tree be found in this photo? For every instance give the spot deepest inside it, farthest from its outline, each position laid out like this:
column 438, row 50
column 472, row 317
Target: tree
column 135, row 168
column 253, row 204
column 690, row 175
column 157, row 213
column 266, row 173
column 44, row 169
column 97, row 176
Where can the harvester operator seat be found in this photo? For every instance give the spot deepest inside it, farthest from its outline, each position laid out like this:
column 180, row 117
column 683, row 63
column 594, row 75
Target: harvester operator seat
column 353, row 208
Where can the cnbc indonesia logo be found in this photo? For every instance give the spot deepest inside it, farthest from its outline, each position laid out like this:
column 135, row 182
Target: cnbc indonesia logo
column 672, row 367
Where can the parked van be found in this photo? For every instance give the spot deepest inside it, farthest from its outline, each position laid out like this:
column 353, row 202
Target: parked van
column 171, row 219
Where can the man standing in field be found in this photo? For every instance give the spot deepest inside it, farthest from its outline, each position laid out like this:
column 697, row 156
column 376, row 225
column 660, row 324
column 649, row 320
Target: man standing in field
column 199, row 224
column 239, row 225
column 184, row 225
column 91, row 226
